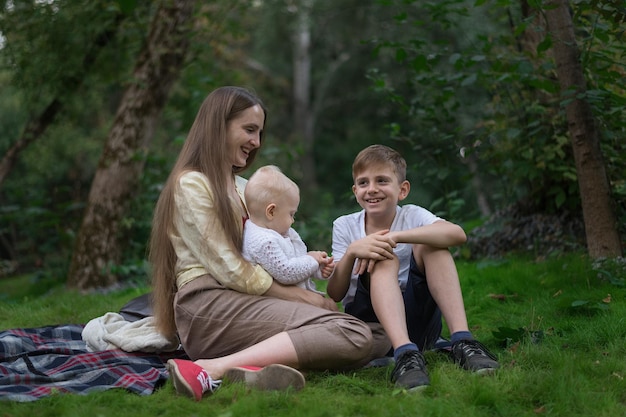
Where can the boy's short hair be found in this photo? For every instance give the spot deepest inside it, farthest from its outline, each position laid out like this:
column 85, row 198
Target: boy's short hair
column 379, row 155
column 265, row 186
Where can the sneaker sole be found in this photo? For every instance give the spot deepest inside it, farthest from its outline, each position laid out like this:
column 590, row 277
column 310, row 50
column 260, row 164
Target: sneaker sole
column 180, row 385
column 274, row 377
column 485, row 371
column 418, row 389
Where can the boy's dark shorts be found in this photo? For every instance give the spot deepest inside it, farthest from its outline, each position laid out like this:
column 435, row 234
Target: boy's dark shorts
column 423, row 316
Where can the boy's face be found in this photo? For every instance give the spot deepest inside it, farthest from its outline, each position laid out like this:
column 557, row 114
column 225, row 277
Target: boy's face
column 378, row 190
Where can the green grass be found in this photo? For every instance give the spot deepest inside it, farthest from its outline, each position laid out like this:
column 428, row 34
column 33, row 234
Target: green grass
column 560, row 340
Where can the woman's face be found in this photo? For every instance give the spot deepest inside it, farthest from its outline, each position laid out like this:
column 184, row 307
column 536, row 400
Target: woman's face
column 244, row 135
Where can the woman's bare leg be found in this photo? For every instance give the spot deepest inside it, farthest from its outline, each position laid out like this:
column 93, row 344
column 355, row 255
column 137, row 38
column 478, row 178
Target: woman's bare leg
column 276, row 349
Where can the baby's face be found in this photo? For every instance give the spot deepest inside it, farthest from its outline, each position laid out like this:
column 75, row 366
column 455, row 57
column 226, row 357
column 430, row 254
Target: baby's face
column 285, row 212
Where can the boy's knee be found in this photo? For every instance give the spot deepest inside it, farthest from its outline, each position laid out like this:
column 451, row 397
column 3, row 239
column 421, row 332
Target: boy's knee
column 426, row 254
column 387, row 267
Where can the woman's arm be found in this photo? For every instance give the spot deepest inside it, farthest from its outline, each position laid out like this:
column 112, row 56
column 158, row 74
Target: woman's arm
column 201, row 242
column 293, row 293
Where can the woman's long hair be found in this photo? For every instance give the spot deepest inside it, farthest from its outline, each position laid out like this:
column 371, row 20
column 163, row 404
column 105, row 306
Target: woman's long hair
column 205, row 151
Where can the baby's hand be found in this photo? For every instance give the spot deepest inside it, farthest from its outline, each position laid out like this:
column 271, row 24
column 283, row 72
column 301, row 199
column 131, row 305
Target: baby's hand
column 327, row 270
column 320, row 256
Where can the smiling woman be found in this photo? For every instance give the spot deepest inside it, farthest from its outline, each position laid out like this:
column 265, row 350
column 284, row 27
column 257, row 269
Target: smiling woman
column 221, row 306
column 245, row 132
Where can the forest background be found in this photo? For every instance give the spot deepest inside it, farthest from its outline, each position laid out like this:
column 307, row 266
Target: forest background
column 96, row 98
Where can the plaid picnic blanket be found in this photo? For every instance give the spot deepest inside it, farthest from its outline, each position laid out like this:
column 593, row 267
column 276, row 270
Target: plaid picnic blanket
column 38, row 362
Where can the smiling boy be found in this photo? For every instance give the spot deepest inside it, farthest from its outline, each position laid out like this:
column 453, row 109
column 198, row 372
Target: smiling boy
column 393, row 270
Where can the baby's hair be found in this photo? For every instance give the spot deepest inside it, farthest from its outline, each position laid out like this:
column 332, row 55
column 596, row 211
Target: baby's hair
column 265, row 186
column 379, row 155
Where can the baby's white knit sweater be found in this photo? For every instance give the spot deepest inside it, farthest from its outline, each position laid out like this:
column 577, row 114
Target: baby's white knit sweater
column 284, row 257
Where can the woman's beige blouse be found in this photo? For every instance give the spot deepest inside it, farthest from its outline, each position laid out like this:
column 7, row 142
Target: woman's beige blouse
column 201, row 243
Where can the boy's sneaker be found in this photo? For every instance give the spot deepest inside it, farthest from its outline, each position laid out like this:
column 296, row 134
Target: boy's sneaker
column 380, row 362
column 410, row 371
column 474, row 356
column 274, row 377
column 190, row 379
column 442, row 346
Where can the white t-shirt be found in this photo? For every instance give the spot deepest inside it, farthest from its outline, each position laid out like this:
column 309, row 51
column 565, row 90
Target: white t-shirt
column 351, row 227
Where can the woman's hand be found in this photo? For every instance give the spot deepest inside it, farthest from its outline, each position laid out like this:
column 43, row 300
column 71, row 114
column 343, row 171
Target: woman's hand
column 293, row 293
column 326, row 303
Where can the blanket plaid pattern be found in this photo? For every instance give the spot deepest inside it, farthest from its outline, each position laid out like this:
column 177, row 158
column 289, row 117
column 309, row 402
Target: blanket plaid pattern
column 38, row 362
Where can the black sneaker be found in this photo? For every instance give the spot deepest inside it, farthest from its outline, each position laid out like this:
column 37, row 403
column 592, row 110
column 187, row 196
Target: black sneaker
column 410, row 371
column 473, row 356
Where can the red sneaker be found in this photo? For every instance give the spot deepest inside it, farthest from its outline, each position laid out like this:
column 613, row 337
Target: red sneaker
column 190, row 379
column 274, row 377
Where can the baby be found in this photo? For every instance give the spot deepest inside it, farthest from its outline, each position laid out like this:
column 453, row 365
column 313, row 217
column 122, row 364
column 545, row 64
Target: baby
column 268, row 238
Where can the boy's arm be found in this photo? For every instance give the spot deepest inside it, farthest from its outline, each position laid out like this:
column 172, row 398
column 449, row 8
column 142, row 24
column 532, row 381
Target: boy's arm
column 440, row 234
column 339, row 281
column 377, row 246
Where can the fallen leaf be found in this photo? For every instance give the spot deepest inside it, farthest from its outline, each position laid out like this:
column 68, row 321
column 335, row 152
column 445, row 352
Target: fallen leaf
column 607, row 300
column 500, row 297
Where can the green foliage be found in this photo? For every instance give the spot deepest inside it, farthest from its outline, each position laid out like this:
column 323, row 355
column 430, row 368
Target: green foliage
column 484, row 96
column 508, row 336
column 50, row 50
column 435, row 122
column 611, row 270
column 349, row 114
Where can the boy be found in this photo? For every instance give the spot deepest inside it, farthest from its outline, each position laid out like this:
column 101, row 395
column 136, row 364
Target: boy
column 268, row 238
column 393, row 270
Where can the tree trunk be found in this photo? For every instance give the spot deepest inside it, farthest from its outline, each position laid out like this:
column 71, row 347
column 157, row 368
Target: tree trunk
column 595, row 192
column 33, row 130
column 303, row 111
column 98, row 245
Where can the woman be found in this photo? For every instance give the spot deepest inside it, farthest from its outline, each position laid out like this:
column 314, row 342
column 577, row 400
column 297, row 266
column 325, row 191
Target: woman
column 232, row 318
